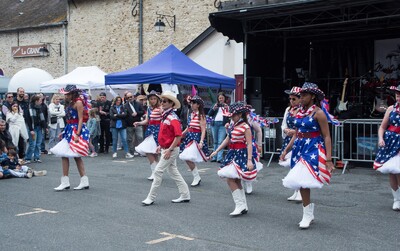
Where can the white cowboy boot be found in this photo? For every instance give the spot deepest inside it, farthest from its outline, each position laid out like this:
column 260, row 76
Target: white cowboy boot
column 298, row 197
column 240, row 207
column 247, row 186
column 293, row 197
column 244, row 199
column 84, row 184
column 64, row 184
column 308, row 216
column 196, row 177
column 396, row 199
column 153, row 167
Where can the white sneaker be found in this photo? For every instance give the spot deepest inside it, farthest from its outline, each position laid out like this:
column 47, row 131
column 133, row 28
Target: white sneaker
column 115, row 155
column 40, row 173
column 129, row 156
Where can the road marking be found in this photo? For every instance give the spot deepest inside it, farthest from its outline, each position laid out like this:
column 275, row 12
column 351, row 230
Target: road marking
column 169, row 237
column 203, row 170
column 123, row 161
column 37, row 211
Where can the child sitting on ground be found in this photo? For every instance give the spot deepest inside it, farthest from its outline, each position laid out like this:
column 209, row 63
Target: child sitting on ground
column 16, row 170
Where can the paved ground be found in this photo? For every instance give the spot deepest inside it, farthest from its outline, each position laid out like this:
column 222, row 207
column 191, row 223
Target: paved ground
column 354, row 213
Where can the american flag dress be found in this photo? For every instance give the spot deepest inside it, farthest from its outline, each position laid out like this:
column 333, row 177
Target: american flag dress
column 153, row 127
column 308, row 157
column 387, row 159
column 237, row 155
column 194, row 133
column 67, row 147
column 290, row 125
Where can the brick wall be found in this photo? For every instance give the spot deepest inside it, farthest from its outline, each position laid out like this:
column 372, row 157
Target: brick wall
column 106, row 34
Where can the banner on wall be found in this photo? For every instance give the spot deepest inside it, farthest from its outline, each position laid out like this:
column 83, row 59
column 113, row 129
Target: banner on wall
column 387, row 58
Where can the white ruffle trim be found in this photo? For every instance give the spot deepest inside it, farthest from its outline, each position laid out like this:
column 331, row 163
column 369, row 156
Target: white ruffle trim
column 286, row 162
column 62, row 149
column 192, row 153
column 148, row 145
column 229, row 171
column 391, row 166
column 300, row 177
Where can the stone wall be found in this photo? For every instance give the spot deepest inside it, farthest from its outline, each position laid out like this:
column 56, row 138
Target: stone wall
column 106, row 33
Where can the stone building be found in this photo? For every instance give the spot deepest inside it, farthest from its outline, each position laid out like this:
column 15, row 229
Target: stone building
column 112, row 34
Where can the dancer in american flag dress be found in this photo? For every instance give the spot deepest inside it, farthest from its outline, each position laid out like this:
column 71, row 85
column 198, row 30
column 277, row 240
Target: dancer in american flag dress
column 388, row 156
column 75, row 138
column 239, row 163
column 153, row 121
column 288, row 130
column 196, row 132
column 311, row 150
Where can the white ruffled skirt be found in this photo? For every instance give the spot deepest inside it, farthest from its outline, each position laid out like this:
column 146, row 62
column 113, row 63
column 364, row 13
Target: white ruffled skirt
column 391, row 166
column 148, row 145
column 193, row 153
column 286, row 161
column 63, row 149
column 232, row 172
column 300, row 177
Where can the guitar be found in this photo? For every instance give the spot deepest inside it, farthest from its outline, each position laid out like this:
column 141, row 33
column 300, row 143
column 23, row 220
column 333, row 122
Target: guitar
column 380, row 104
column 342, row 106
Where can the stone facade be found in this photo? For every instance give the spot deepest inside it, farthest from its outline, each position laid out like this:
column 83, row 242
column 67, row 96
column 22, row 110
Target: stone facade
column 105, row 33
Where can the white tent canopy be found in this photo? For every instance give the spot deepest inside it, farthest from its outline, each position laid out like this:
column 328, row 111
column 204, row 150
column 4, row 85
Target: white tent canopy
column 88, row 77
column 29, row 79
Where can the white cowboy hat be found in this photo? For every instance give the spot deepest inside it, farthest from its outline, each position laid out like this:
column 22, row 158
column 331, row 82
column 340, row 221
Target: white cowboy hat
column 172, row 96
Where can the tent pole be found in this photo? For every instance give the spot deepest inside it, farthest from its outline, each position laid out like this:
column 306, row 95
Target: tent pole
column 244, row 63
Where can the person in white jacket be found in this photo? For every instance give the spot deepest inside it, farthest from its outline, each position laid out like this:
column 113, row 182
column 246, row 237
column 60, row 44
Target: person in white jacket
column 56, row 121
column 16, row 123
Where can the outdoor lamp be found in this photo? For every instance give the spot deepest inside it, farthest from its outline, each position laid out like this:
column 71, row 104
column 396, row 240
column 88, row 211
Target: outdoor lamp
column 44, row 52
column 160, row 25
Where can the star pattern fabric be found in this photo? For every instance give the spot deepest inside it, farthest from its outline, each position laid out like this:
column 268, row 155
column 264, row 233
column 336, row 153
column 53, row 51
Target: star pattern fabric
column 239, row 156
column 72, row 114
column 392, row 141
column 312, row 88
column 194, row 136
column 307, row 148
column 290, row 125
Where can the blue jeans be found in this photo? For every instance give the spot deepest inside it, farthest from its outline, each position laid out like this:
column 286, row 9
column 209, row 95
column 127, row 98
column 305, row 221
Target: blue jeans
column 219, row 134
column 34, row 144
column 122, row 134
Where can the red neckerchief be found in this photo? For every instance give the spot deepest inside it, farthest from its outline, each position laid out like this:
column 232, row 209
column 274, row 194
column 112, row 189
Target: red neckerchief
column 293, row 111
column 166, row 113
column 302, row 113
column 396, row 107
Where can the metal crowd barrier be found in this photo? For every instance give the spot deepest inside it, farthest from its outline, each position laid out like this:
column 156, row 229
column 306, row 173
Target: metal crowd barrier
column 358, row 140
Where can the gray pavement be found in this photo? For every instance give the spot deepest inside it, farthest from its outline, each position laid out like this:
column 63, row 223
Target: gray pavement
column 353, row 213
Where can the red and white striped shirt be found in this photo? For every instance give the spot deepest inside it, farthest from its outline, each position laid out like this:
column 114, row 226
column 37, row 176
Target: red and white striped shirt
column 237, row 134
column 195, row 121
column 155, row 116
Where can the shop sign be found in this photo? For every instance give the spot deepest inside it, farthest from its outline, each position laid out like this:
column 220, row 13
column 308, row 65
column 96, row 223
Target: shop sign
column 26, row 51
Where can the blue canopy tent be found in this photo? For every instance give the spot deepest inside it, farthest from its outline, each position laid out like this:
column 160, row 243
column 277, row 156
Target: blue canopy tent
column 170, row 66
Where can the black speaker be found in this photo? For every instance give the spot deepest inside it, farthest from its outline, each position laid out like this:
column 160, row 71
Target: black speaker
column 253, row 85
column 256, row 102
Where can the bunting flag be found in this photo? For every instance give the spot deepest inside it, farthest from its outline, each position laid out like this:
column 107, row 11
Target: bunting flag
column 194, row 91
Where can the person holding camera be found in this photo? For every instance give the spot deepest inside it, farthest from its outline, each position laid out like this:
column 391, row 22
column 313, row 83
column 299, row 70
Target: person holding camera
column 56, row 123
column 218, row 124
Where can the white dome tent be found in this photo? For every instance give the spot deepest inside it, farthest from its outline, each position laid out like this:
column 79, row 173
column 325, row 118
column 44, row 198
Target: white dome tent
column 29, row 79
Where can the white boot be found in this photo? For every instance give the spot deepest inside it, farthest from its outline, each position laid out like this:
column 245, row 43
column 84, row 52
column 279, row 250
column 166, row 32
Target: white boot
column 84, row 184
column 240, row 207
column 196, row 177
column 153, row 167
column 308, row 216
column 244, row 199
column 396, row 199
column 247, row 186
column 64, row 184
column 293, row 197
column 298, row 197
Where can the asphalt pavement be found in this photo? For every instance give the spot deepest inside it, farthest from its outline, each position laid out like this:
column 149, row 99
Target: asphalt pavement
column 353, row 213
